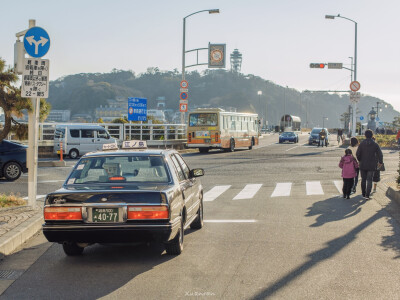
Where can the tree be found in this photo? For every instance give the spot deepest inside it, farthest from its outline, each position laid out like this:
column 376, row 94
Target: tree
column 13, row 104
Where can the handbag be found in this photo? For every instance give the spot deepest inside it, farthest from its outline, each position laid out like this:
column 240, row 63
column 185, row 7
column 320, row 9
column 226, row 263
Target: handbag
column 381, row 168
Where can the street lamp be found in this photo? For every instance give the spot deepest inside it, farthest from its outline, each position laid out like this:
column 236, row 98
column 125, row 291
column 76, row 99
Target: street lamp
column 323, row 121
column 259, row 93
column 210, row 11
column 353, row 131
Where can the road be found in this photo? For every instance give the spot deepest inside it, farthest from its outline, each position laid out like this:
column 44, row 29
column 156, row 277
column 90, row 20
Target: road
column 275, row 227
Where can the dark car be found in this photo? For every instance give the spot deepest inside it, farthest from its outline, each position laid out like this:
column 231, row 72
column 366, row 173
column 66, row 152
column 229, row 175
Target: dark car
column 125, row 196
column 12, row 160
column 314, row 136
column 288, row 137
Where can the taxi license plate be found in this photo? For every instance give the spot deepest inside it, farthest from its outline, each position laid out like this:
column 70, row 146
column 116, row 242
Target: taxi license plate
column 108, row 215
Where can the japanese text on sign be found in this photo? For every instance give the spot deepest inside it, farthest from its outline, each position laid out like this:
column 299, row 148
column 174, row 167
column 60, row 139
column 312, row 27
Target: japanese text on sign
column 35, row 78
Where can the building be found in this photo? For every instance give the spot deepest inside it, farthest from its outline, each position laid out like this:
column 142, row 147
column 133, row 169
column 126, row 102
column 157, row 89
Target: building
column 115, row 108
column 59, row 115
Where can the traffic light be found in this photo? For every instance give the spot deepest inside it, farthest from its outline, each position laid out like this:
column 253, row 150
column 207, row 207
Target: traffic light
column 317, row 66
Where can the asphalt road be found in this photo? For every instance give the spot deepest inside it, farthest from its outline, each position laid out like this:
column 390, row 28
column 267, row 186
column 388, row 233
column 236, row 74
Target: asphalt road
column 275, row 228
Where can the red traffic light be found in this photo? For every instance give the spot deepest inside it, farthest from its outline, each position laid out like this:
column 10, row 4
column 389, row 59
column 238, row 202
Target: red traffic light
column 317, row 66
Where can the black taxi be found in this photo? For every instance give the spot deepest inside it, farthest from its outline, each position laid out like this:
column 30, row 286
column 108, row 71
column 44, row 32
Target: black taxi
column 125, row 196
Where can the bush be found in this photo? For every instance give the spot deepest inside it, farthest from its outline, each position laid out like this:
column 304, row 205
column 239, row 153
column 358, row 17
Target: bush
column 11, row 200
column 383, row 140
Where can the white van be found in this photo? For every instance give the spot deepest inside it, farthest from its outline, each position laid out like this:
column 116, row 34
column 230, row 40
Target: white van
column 80, row 139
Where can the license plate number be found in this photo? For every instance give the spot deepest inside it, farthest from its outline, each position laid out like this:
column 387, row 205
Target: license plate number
column 109, row 215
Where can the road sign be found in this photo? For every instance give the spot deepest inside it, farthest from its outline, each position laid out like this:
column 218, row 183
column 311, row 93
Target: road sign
column 355, row 86
column 355, row 97
column 184, row 96
column 184, row 84
column 36, row 42
column 137, row 109
column 377, row 118
column 184, row 90
column 183, row 107
column 335, row 66
column 216, row 55
column 35, row 78
column 361, row 118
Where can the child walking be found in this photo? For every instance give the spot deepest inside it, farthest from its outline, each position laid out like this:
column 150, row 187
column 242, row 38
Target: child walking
column 349, row 166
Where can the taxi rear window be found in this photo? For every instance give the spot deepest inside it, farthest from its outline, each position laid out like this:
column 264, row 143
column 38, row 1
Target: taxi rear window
column 120, row 169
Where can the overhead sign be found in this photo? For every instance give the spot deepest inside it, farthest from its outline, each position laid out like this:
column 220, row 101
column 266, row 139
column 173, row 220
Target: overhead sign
column 355, row 97
column 35, row 78
column 335, row 65
column 216, row 55
column 184, row 96
column 183, row 107
column 137, row 109
column 355, row 86
column 36, row 42
column 184, row 84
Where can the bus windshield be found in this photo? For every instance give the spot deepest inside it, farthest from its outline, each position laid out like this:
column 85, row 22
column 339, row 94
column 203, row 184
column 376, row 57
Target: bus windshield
column 203, row 119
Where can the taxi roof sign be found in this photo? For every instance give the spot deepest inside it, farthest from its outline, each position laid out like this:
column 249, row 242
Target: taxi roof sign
column 134, row 144
column 111, row 146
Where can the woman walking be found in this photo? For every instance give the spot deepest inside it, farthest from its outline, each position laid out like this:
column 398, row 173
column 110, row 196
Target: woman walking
column 353, row 147
column 348, row 164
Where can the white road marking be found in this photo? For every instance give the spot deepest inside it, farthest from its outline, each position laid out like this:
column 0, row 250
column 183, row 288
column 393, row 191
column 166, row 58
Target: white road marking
column 37, row 197
column 339, row 185
column 282, row 189
column 248, row 192
column 230, row 221
column 314, row 188
column 215, row 192
column 292, row 148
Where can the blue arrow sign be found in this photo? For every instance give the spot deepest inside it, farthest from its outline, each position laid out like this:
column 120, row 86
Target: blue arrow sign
column 36, row 42
column 361, row 118
column 137, row 109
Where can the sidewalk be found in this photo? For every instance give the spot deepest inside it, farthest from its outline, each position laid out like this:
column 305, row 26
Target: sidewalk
column 19, row 224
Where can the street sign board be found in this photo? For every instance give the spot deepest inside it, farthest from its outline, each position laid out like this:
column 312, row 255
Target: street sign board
column 184, row 96
column 355, row 97
column 137, row 109
column 184, row 90
column 335, row 65
column 355, row 86
column 361, row 118
column 183, row 107
column 36, row 42
column 216, row 55
column 35, row 78
column 184, row 84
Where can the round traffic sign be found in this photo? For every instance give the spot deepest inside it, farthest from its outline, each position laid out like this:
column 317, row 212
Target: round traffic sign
column 130, row 110
column 184, row 95
column 361, row 118
column 355, row 86
column 36, row 42
column 184, row 84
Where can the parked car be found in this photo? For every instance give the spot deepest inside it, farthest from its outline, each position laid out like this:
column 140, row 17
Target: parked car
column 78, row 140
column 314, row 136
column 12, row 160
column 125, row 196
column 288, row 137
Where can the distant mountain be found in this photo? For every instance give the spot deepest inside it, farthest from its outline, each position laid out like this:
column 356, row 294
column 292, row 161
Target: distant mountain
column 82, row 93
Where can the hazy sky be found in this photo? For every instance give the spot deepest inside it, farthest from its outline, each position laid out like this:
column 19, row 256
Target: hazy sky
column 278, row 39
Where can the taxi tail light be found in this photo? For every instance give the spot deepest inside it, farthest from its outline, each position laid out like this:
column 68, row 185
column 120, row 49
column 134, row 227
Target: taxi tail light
column 147, row 212
column 63, row 213
column 189, row 137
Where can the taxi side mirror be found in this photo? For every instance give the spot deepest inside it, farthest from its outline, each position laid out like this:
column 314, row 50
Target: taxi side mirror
column 196, row 173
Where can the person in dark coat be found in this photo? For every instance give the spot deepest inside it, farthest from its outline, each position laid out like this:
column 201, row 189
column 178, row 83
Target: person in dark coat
column 369, row 155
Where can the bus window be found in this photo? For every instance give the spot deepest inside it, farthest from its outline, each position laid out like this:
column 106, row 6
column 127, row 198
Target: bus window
column 203, row 119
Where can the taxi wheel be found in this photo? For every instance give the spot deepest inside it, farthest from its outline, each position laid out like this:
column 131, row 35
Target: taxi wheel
column 198, row 222
column 175, row 247
column 73, row 154
column 12, row 171
column 72, row 249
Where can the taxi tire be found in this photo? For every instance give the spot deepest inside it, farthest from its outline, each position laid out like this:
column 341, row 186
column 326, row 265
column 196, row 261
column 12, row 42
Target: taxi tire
column 175, row 247
column 72, row 249
column 73, row 154
column 198, row 222
column 12, row 171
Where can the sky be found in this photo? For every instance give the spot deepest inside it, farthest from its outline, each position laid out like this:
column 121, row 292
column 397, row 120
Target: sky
column 278, row 39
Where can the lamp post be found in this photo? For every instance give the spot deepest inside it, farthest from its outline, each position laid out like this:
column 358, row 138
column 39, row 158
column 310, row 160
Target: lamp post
column 353, row 131
column 259, row 93
column 323, row 121
column 210, row 11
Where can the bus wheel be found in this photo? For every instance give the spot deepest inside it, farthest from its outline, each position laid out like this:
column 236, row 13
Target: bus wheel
column 232, row 146
column 251, row 144
column 73, row 154
column 203, row 150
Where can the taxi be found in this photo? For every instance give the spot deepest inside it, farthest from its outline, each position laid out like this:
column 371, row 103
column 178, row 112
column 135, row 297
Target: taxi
column 126, row 195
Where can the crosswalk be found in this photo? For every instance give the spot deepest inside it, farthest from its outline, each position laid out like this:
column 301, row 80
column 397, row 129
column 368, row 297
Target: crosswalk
column 281, row 189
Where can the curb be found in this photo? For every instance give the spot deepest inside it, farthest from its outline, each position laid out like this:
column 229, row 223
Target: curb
column 53, row 163
column 393, row 194
column 13, row 239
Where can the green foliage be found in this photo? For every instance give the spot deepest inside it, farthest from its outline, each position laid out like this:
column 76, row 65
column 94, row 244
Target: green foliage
column 383, row 140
